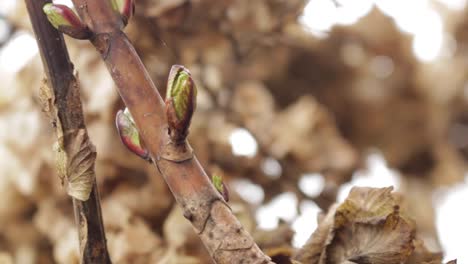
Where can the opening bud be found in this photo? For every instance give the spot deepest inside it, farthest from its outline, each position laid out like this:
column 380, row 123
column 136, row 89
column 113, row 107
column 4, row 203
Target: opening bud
column 129, row 134
column 220, row 186
column 181, row 96
column 66, row 21
column 125, row 8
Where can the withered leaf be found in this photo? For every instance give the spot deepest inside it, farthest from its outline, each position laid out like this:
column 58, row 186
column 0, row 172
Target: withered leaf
column 367, row 205
column 75, row 160
column 387, row 242
column 80, row 165
column 366, row 228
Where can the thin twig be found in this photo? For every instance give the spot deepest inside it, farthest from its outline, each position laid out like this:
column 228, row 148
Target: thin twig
column 67, row 118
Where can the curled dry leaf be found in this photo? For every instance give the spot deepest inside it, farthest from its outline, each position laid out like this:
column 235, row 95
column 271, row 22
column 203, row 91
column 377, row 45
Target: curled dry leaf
column 80, row 165
column 75, row 161
column 387, row 242
column 366, row 228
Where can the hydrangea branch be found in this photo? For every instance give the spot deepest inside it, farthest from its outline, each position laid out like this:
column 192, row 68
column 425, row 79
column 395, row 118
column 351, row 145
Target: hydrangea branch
column 222, row 234
column 61, row 97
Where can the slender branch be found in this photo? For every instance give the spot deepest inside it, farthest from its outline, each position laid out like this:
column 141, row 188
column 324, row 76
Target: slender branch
column 67, row 117
column 222, row 234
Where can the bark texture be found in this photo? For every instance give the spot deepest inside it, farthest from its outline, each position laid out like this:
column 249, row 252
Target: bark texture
column 62, row 102
column 222, row 234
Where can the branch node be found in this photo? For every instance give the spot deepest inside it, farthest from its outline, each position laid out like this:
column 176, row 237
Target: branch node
column 177, row 152
column 102, row 42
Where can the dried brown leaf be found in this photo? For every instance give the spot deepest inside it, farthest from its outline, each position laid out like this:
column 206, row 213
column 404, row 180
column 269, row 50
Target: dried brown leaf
column 383, row 243
column 80, row 165
column 366, row 228
column 75, row 161
column 367, row 205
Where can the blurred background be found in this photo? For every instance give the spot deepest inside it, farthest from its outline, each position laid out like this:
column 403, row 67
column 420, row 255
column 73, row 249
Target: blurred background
column 298, row 101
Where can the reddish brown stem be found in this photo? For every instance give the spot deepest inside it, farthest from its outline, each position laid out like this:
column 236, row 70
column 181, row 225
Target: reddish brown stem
column 220, row 231
column 69, row 115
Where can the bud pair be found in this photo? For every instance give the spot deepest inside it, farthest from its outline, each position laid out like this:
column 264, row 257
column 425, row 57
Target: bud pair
column 180, row 105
